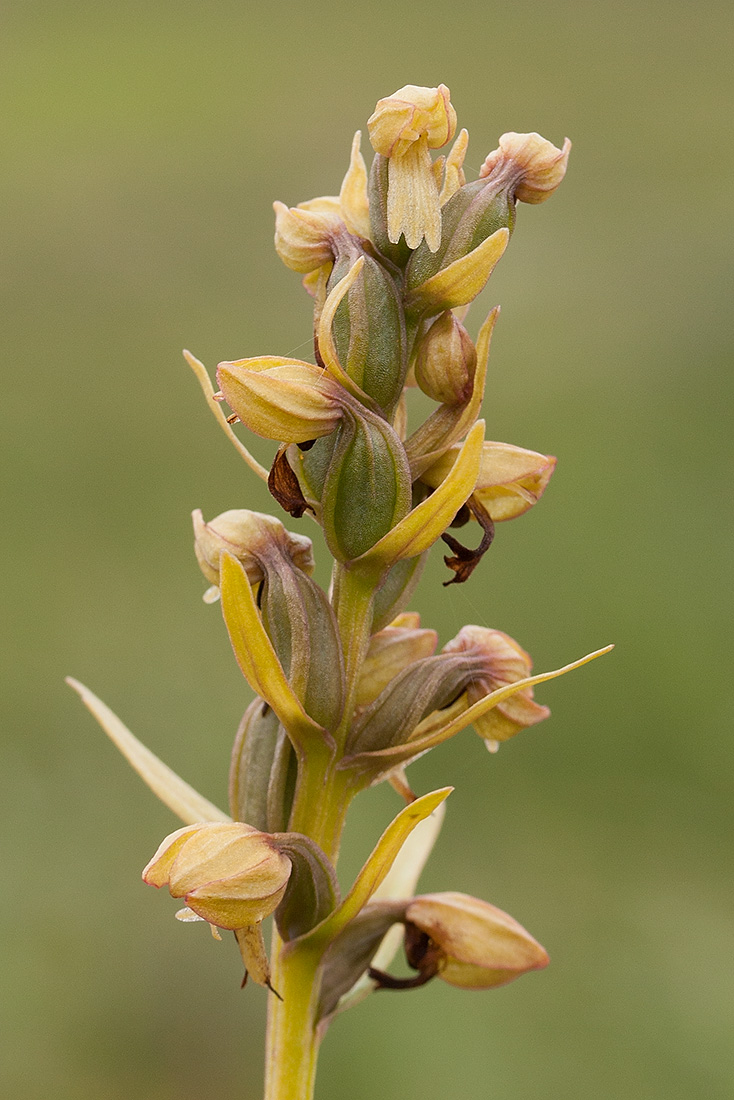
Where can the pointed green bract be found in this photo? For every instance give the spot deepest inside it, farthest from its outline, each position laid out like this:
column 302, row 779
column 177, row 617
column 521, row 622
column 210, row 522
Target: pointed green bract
column 379, row 863
column 256, row 656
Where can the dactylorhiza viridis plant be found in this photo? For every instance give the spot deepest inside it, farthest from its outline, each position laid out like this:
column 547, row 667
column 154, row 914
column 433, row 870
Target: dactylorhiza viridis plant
column 349, row 687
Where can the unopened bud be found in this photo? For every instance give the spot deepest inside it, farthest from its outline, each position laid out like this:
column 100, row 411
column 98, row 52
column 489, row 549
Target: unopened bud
column 304, row 233
column 228, row 873
column 527, row 165
column 504, row 662
column 467, row 942
column 283, row 399
column 250, row 537
column 446, row 360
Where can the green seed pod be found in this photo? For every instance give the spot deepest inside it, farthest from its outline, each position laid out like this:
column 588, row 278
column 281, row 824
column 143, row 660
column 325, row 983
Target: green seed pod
column 369, row 325
column 312, row 891
column 302, row 627
column 262, row 770
column 394, row 593
column 367, row 487
column 353, row 950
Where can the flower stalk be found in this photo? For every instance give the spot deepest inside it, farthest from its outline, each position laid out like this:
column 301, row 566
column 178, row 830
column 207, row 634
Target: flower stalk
column 349, row 688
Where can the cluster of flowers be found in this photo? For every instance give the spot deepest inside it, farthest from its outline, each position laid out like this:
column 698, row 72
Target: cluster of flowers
column 349, row 686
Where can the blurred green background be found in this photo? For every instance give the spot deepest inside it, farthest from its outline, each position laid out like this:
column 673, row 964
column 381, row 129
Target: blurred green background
column 143, row 144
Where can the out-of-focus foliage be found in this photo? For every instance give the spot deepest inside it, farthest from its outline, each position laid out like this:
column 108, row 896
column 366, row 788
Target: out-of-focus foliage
column 143, row 145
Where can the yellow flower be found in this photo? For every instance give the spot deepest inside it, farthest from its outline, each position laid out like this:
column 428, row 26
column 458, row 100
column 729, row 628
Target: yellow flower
column 511, row 479
column 249, row 537
column 228, row 873
column 403, row 128
column 283, row 399
column 532, row 166
column 231, row 876
column 467, row 942
column 505, row 663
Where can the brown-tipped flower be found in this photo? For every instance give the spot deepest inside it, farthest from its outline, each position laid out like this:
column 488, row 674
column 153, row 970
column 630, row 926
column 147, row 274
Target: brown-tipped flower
column 250, row 537
column 505, row 662
column 403, row 128
column 531, row 166
column 283, row 399
column 467, row 942
column 304, row 234
column 511, row 479
column 446, row 361
column 228, row 873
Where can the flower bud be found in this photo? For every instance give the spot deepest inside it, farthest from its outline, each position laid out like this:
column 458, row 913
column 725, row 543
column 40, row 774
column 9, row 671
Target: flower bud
column 283, row 399
column 368, row 328
column 504, row 662
column 366, row 488
column 467, row 942
column 304, row 234
column 446, row 360
column 403, row 128
column 527, row 165
column 262, row 770
column 249, row 537
column 511, row 479
column 228, row 873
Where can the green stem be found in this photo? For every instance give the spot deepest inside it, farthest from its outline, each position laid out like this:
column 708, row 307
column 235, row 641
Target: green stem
column 291, row 1042
column 322, row 797
column 354, row 595
column 319, row 810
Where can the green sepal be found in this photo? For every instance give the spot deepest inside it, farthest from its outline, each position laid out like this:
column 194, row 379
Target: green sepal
column 472, row 214
column 262, row 770
column 367, row 487
column 424, row 686
column 312, row 892
column 395, row 590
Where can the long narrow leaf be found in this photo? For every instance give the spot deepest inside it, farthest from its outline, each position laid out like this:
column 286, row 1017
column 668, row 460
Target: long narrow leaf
column 173, row 791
